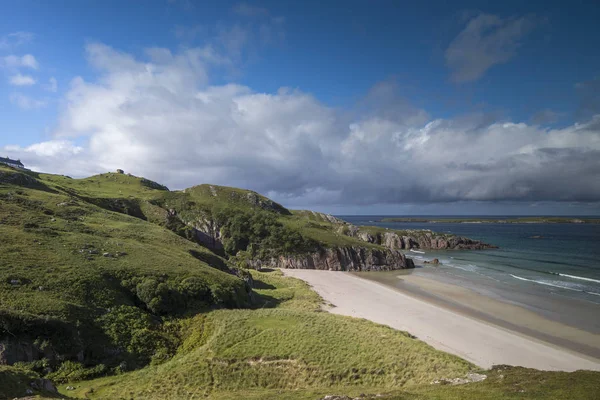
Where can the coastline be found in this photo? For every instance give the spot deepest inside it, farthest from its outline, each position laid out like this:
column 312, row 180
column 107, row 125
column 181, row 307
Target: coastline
column 444, row 325
column 501, row 313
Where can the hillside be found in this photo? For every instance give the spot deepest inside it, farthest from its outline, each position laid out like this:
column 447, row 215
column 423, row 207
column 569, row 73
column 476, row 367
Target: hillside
column 273, row 353
column 98, row 271
column 118, row 287
column 80, row 282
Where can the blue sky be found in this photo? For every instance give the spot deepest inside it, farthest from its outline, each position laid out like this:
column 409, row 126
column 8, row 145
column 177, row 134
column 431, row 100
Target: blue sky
column 370, row 74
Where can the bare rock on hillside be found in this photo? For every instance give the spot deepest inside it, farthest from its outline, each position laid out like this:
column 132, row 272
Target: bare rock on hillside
column 340, row 259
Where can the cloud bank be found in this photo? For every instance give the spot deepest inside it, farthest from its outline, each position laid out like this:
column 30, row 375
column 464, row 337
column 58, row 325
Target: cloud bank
column 161, row 118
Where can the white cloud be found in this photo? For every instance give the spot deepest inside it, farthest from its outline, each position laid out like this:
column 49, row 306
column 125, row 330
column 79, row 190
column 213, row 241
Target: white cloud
column 54, row 148
column 26, row 102
column 487, row 40
column 21, row 80
column 160, row 118
column 59, row 156
column 15, row 39
column 248, row 10
column 12, row 61
column 52, row 85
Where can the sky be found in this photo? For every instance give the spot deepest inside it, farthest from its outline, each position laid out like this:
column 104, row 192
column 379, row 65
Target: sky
column 346, row 107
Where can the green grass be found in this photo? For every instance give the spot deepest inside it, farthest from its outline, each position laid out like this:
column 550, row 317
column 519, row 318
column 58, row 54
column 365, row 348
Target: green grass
column 14, row 381
column 295, row 351
column 291, row 347
column 323, row 231
column 60, row 293
column 206, row 196
column 109, row 185
column 160, row 318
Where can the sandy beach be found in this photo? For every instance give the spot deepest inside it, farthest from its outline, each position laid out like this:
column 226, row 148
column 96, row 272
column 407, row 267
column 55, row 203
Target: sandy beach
column 473, row 339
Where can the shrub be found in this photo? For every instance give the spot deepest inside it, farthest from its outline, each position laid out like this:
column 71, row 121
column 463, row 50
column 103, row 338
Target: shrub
column 135, row 333
column 73, row 371
column 259, row 233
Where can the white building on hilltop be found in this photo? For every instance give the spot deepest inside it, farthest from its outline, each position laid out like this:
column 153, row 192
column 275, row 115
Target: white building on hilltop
column 12, row 163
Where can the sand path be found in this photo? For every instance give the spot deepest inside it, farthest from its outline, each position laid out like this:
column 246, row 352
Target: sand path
column 478, row 342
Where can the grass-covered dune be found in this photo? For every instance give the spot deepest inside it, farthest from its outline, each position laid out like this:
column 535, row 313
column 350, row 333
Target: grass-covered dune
column 295, row 351
column 291, row 347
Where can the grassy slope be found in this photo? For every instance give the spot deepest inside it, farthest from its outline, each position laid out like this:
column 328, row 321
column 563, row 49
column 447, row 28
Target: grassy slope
column 43, row 235
column 296, row 352
column 316, row 225
column 322, row 231
column 291, row 347
column 57, row 289
column 198, row 201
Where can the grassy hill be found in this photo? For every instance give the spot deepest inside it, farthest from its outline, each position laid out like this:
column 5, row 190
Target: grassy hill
column 105, row 287
column 72, row 274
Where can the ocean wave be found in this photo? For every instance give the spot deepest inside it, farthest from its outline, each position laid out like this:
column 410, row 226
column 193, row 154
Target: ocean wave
column 576, row 277
column 417, row 251
column 554, row 284
column 468, row 268
column 539, row 271
column 545, row 283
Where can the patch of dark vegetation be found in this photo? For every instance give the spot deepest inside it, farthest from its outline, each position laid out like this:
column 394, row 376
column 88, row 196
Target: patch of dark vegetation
column 123, row 206
column 259, row 233
column 210, row 259
column 20, row 178
column 153, row 185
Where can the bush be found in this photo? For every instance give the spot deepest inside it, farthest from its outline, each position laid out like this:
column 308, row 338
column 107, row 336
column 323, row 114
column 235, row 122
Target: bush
column 135, row 333
column 73, row 371
column 259, row 233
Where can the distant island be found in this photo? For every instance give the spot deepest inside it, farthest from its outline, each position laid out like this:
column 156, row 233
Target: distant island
column 517, row 220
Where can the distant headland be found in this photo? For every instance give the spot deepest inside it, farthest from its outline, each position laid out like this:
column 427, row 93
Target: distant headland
column 491, row 220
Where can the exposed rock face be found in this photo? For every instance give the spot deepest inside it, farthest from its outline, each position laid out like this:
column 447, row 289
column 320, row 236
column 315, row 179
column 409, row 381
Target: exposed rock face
column 43, row 384
column 341, row 259
column 208, row 233
column 416, row 240
column 13, row 350
column 327, row 217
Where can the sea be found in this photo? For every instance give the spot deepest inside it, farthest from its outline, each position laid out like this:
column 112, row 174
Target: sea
column 533, row 261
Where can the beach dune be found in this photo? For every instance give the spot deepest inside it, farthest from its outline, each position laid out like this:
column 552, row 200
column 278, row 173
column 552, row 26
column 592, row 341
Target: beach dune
column 476, row 341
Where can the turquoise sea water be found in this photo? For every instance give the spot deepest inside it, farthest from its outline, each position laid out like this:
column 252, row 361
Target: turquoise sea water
column 564, row 261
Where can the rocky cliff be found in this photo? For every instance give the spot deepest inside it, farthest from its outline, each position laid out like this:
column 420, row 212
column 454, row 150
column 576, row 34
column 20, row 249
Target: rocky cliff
column 413, row 239
column 340, row 259
column 345, row 258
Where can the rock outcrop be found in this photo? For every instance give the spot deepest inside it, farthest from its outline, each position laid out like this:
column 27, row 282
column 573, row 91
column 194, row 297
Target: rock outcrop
column 207, row 232
column 340, row 259
column 414, row 239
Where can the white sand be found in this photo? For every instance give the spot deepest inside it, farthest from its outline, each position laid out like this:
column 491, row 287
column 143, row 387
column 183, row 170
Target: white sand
column 480, row 343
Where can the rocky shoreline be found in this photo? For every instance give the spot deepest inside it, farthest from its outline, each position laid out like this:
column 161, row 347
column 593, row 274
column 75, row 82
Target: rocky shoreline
column 340, row 259
column 346, row 258
column 415, row 239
